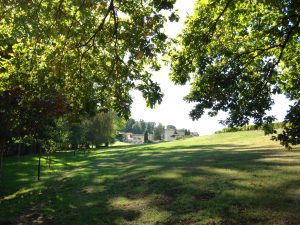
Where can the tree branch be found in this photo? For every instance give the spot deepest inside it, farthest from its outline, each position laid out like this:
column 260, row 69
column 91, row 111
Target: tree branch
column 101, row 25
column 283, row 45
column 214, row 25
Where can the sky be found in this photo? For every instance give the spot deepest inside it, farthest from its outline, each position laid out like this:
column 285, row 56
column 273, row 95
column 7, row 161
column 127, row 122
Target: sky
column 174, row 110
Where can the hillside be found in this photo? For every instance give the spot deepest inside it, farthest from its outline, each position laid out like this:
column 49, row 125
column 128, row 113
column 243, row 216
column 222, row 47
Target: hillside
column 230, row 178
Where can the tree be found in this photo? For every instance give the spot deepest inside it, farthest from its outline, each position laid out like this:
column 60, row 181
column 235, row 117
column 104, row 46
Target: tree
column 79, row 57
column 143, row 126
column 99, row 129
column 75, row 135
column 171, row 127
column 238, row 54
column 146, row 138
column 129, row 125
column 150, row 127
column 136, row 128
column 158, row 132
column 57, row 136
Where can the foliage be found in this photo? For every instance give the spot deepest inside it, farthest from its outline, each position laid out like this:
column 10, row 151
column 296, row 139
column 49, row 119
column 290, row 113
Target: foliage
column 158, row 132
column 171, row 127
column 248, row 128
column 67, row 133
column 150, row 127
column 58, row 136
column 187, row 132
column 136, row 128
column 291, row 132
column 75, row 136
column 237, row 54
column 139, row 127
column 99, row 129
column 146, row 138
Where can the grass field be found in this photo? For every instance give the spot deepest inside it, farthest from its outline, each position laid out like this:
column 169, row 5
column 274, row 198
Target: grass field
column 232, row 178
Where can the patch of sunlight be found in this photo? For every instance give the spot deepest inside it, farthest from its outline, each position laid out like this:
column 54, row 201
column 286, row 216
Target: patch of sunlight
column 75, row 172
column 147, row 214
column 149, row 167
column 91, row 204
column 71, row 206
column 197, row 179
column 119, row 143
column 93, row 189
column 279, row 160
column 294, row 191
column 23, row 179
column 59, row 198
column 241, row 193
column 107, row 177
column 22, row 174
column 292, row 168
column 223, row 171
column 170, row 174
column 127, row 204
column 22, row 191
column 153, row 216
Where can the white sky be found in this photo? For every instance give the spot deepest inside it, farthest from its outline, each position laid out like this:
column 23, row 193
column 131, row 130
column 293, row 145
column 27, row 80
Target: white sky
column 173, row 109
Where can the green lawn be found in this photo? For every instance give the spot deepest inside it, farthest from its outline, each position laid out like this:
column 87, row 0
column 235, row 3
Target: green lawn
column 225, row 179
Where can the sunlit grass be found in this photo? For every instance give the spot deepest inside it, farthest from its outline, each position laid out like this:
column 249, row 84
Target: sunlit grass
column 231, row 178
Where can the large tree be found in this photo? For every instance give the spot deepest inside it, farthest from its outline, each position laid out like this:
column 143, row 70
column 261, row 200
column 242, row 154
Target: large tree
column 76, row 56
column 237, row 54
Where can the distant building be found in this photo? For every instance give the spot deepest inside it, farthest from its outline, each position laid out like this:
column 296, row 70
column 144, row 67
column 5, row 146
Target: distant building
column 180, row 132
column 136, row 138
column 194, row 134
column 171, row 134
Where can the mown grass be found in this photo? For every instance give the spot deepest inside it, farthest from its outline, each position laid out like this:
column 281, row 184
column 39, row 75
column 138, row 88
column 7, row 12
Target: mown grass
column 231, row 178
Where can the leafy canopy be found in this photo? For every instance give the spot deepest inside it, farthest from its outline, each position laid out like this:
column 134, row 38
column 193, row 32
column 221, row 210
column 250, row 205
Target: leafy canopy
column 81, row 54
column 237, row 54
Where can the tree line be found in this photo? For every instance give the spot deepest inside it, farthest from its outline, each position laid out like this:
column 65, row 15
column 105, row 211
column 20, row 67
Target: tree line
column 65, row 133
column 278, row 125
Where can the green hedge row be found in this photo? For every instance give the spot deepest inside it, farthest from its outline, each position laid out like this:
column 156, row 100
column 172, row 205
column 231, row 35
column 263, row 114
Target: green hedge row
column 277, row 125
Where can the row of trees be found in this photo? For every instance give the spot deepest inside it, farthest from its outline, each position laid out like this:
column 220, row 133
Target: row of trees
column 278, row 125
column 146, row 128
column 66, row 133
column 139, row 127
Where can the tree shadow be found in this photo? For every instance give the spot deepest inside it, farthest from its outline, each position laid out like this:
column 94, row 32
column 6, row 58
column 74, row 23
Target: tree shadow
column 197, row 184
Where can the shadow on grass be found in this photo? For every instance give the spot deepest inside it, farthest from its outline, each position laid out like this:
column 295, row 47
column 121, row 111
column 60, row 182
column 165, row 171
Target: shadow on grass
column 197, row 184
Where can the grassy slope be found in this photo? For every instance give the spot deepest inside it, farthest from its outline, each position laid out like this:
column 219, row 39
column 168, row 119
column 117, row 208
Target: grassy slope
column 231, row 178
